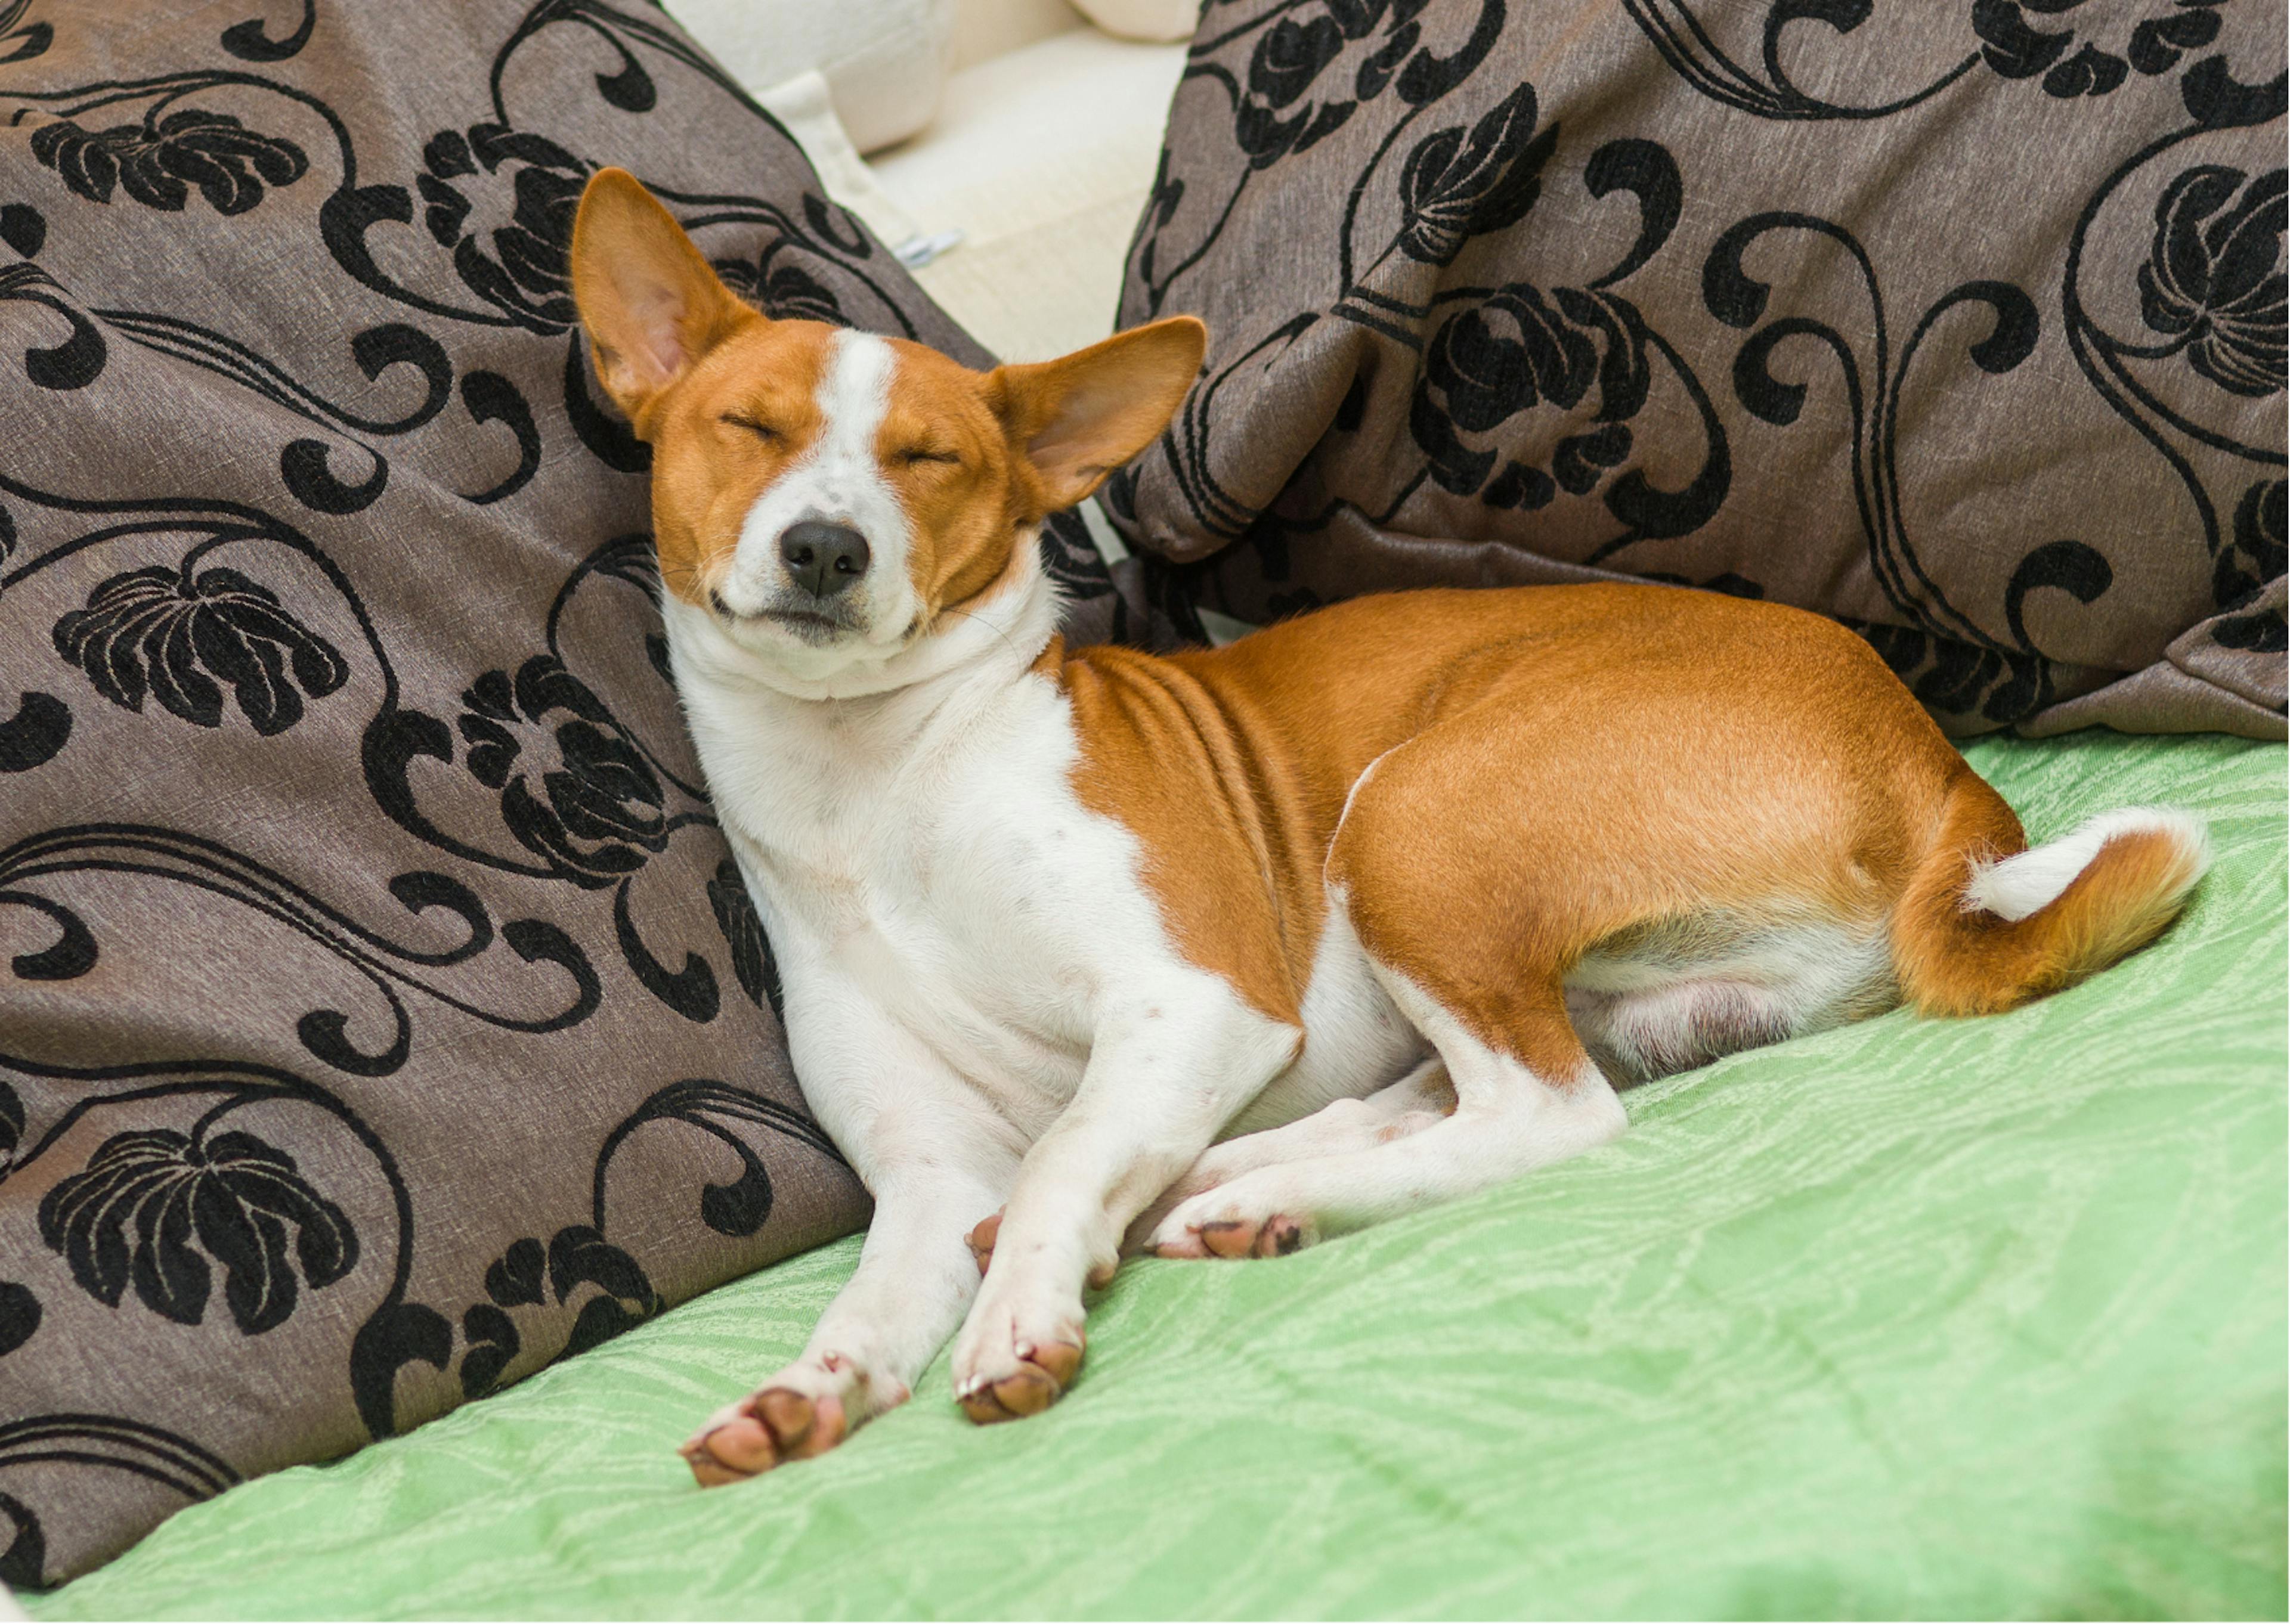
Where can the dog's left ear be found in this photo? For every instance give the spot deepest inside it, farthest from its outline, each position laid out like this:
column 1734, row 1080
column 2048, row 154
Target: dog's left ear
column 1080, row 417
column 652, row 303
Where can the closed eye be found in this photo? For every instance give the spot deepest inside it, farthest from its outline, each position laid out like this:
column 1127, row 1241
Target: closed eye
column 927, row 453
column 762, row 431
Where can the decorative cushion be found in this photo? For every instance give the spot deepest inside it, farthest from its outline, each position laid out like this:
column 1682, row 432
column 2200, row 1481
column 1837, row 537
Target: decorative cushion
column 381, row 1013
column 1963, row 322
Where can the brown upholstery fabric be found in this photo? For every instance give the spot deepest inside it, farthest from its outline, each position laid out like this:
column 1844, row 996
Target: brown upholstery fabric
column 381, row 1013
column 1960, row 320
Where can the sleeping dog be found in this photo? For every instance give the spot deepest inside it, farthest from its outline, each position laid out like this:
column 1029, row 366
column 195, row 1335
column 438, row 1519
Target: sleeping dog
column 1220, row 954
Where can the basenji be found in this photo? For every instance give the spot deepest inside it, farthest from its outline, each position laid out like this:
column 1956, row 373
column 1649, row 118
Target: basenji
column 1231, row 950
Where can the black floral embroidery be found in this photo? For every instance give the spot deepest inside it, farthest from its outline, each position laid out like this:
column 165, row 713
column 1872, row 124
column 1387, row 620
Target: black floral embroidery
column 1518, row 350
column 530, row 189
column 721, row 1111
column 2159, row 43
column 574, row 791
column 24, row 1559
column 782, row 291
column 12, row 1128
column 172, row 635
column 577, row 1255
column 1291, row 55
column 1457, row 185
column 1288, row 58
column 2214, row 282
column 250, row 42
column 19, row 1316
column 1274, row 117
column 1765, row 89
column 2258, row 553
column 2264, row 631
column 2016, row 48
column 743, row 933
column 25, row 40
column 528, row 1276
column 152, row 1206
column 78, row 359
column 159, row 161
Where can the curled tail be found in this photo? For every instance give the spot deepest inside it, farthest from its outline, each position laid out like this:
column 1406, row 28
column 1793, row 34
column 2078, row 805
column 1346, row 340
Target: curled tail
column 1988, row 924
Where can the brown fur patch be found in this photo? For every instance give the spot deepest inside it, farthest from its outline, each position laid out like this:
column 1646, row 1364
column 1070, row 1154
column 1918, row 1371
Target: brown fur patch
column 1559, row 765
column 1958, row 962
column 946, row 453
column 728, row 400
column 1554, row 767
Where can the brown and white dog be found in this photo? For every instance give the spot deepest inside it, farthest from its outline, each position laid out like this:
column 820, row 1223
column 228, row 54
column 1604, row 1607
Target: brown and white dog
column 1234, row 949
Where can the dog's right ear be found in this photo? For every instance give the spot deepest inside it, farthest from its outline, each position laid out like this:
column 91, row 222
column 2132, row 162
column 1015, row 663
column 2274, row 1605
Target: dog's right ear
column 652, row 303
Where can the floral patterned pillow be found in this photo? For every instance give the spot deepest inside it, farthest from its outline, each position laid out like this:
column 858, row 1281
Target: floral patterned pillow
column 1961, row 320
column 381, row 1015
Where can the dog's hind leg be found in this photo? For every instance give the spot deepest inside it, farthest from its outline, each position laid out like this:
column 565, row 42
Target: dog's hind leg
column 1510, row 1117
column 1468, row 935
column 1417, row 1101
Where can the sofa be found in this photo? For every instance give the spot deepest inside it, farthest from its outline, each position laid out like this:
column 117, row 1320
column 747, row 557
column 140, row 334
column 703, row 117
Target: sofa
column 1916, row 1318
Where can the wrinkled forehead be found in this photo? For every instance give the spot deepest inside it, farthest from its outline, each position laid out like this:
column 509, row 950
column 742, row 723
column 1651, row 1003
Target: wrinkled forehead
column 781, row 368
column 802, row 380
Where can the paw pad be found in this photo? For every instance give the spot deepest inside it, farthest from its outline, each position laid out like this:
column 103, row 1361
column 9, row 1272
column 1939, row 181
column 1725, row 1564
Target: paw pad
column 775, row 1425
column 1043, row 1374
column 1275, row 1238
column 982, row 1240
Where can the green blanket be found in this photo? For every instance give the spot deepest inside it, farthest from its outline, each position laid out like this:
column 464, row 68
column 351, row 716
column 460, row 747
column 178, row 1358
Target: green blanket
column 1969, row 1318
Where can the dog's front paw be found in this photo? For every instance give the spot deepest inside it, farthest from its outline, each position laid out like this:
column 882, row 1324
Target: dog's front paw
column 981, row 1238
column 806, row 1410
column 1011, row 1361
column 1240, row 1219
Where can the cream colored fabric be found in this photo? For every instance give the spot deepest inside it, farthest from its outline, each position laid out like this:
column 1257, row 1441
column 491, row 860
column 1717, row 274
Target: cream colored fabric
column 984, row 29
column 1147, row 20
column 805, row 105
column 885, row 60
column 1043, row 159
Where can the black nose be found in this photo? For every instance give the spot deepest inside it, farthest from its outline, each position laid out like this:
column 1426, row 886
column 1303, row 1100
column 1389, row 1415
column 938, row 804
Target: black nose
column 823, row 558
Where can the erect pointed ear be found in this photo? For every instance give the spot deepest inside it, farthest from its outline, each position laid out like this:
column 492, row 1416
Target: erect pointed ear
column 1079, row 418
column 652, row 303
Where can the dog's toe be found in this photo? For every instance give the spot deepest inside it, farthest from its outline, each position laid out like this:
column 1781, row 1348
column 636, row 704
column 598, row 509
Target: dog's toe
column 1275, row 1238
column 732, row 1450
column 1042, row 1377
column 1280, row 1236
column 1230, row 1223
column 1234, row 1238
column 769, row 1427
column 982, row 1238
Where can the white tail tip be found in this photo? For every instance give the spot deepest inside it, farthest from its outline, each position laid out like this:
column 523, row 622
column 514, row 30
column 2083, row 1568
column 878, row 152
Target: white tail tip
column 2014, row 887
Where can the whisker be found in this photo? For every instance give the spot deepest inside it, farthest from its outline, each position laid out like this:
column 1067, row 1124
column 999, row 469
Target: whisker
column 971, row 614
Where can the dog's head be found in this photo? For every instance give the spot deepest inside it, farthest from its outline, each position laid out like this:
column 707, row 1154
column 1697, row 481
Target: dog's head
column 828, row 497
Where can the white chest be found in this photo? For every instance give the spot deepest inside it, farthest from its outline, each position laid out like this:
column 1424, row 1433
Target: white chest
column 940, row 868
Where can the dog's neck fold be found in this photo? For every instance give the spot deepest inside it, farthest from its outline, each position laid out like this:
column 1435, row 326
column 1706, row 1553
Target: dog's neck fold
column 884, row 707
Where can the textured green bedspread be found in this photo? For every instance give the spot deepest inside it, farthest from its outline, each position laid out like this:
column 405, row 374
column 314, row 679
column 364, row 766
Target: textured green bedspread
column 1984, row 1318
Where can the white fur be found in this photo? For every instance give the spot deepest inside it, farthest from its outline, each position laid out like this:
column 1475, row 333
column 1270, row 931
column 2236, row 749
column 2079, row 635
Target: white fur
column 1668, row 1008
column 839, row 478
column 974, row 974
column 987, row 1011
column 1506, row 1121
column 2017, row 886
